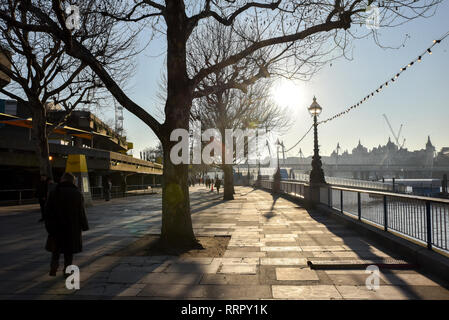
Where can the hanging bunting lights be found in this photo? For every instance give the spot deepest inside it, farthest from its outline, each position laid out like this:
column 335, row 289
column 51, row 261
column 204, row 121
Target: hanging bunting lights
column 393, row 79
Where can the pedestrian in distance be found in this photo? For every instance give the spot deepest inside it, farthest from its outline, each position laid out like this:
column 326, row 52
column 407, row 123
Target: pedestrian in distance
column 65, row 219
column 107, row 186
column 218, row 185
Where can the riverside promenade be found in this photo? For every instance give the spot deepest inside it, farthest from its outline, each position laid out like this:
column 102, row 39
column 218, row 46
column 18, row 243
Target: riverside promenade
column 271, row 241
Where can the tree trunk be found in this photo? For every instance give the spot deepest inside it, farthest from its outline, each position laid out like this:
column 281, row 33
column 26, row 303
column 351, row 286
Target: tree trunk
column 228, row 184
column 40, row 138
column 177, row 230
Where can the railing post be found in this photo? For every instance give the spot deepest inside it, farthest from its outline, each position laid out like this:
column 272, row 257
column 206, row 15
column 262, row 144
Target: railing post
column 359, row 206
column 329, row 199
column 429, row 225
column 20, row 196
column 385, row 214
column 341, row 201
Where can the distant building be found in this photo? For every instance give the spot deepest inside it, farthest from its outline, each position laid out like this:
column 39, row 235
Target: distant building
column 386, row 155
column 83, row 133
column 383, row 161
column 4, row 61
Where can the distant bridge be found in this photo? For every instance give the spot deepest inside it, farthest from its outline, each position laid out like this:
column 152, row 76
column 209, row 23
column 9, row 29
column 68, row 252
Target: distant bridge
column 367, row 171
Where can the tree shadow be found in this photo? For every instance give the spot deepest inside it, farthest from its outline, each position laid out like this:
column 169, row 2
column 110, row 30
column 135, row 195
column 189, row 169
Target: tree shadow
column 363, row 246
column 270, row 214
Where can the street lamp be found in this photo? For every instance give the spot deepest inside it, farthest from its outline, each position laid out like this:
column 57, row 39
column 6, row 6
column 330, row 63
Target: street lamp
column 277, row 174
column 277, row 151
column 317, row 174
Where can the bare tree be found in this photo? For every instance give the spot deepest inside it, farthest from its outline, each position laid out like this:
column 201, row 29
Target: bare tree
column 44, row 75
column 154, row 154
column 250, row 107
column 235, row 110
column 283, row 29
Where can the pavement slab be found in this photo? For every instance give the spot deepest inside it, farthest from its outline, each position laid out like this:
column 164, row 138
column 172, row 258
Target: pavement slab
column 306, row 292
column 266, row 257
column 304, row 274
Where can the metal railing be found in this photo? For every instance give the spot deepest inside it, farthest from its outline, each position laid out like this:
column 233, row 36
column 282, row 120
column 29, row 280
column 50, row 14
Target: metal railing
column 345, row 182
column 27, row 196
column 422, row 220
column 130, row 190
column 17, row 196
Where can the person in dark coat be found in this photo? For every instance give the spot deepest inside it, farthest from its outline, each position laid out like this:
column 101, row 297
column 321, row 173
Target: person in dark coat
column 41, row 195
column 65, row 219
column 218, row 184
column 51, row 185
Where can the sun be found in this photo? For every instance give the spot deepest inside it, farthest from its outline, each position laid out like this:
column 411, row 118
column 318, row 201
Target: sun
column 288, row 94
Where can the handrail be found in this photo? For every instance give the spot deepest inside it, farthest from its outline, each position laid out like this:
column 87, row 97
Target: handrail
column 372, row 191
column 392, row 194
column 96, row 192
column 422, row 220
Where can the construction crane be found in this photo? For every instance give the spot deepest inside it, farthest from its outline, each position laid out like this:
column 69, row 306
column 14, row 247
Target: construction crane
column 396, row 137
column 118, row 118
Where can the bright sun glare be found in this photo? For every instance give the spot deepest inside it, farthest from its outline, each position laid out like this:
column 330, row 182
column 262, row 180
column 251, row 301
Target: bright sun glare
column 288, row 94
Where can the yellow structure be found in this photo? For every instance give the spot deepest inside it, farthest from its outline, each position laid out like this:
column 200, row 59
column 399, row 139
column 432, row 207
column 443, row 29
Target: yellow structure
column 77, row 165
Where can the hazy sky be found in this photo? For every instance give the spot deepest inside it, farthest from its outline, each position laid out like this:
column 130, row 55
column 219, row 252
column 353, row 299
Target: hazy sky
column 419, row 100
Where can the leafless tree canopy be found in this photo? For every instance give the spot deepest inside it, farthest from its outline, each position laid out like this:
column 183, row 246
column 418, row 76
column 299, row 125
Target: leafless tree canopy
column 42, row 71
column 290, row 37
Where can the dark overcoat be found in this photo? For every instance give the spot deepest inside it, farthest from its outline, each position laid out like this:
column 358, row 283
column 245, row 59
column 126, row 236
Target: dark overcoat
column 65, row 219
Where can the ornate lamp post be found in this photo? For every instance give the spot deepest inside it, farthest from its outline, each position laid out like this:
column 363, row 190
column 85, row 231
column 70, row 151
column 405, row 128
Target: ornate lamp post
column 317, row 174
column 248, row 174
column 277, row 174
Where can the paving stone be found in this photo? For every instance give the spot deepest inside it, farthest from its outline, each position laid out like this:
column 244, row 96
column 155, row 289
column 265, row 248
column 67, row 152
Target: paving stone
column 266, row 242
column 125, row 276
column 324, row 248
column 209, row 291
column 280, row 239
column 239, row 279
column 194, row 268
column 303, row 274
column 240, row 261
column 280, row 249
column 384, row 292
column 314, row 292
column 197, row 260
column 283, row 261
column 171, row 278
column 247, row 292
column 286, row 254
column 351, row 279
column 243, row 254
column 238, row 268
column 407, row 279
column 281, row 235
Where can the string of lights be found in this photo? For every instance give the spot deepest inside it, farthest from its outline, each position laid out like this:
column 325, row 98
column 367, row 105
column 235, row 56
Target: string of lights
column 300, row 139
column 388, row 82
column 385, row 84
